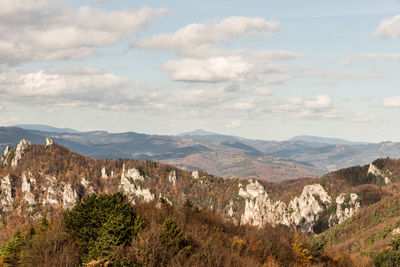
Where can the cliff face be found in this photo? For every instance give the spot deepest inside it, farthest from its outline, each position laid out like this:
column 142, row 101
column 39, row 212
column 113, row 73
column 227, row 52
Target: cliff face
column 49, row 178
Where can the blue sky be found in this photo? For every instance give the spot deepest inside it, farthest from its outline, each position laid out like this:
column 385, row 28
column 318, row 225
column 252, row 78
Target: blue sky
column 259, row 69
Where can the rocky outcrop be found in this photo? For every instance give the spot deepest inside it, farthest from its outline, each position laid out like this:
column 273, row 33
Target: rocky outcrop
column 301, row 211
column 49, row 141
column 172, row 178
column 27, row 186
column 132, row 185
column 6, row 193
column 377, row 172
column 195, row 175
column 104, row 173
column 69, row 197
column 6, row 151
column 19, row 151
column 11, row 156
column 87, row 186
column 346, row 206
column 51, row 193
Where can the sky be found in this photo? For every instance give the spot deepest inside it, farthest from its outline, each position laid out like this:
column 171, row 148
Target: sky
column 259, row 69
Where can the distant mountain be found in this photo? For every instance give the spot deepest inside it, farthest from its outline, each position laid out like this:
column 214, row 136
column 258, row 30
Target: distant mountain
column 198, row 132
column 45, row 128
column 222, row 155
column 218, row 154
column 325, row 140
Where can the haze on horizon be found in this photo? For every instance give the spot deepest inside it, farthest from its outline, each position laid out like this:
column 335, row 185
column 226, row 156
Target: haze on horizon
column 258, row 69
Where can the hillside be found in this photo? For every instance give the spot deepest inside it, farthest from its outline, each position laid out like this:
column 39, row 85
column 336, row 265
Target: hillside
column 46, row 179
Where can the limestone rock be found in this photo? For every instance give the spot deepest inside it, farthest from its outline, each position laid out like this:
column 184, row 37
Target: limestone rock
column 130, row 185
column 88, row 186
column 346, row 206
column 6, row 150
column 69, row 197
column 195, row 175
column 377, row 172
column 172, row 178
column 131, row 174
column 51, row 192
column 49, row 141
column 27, row 185
column 19, row 151
column 7, row 193
column 104, row 173
column 301, row 211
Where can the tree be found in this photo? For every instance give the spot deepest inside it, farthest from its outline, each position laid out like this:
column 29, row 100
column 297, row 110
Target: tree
column 101, row 223
column 171, row 236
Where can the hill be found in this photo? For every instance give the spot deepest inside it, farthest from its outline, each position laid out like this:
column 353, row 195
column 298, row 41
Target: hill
column 45, row 128
column 198, row 132
column 325, row 140
column 49, row 179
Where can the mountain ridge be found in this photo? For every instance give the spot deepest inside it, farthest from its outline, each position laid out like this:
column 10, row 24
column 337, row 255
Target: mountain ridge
column 326, row 140
column 221, row 155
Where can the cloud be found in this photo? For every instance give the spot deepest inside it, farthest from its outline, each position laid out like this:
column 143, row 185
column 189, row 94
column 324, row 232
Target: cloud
column 218, row 69
column 370, row 57
column 202, row 61
column 57, row 87
column 47, row 30
column 318, row 102
column 233, row 124
column 317, row 107
column 198, row 37
column 389, row 28
column 87, row 88
column 392, row 102
column 232, row 88
column 263, row 91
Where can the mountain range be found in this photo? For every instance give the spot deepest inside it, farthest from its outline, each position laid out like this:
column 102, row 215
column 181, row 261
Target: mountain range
column 222, row 155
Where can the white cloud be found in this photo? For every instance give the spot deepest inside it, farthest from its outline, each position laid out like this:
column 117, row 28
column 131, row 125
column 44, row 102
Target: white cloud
column 218, row 69
column 389, row 28
column 317, row 107
column 47, row 30
column 199, row 36
column 60, row 87
column 87, row 88
column 244, row 105
column 202, row 61
column 370, row 57
column 392, row 102
column 320, row 101
column 233, row 124
column 263, row 91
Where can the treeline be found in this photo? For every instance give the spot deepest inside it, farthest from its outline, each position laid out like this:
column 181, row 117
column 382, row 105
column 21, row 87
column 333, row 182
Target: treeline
column 108, row 231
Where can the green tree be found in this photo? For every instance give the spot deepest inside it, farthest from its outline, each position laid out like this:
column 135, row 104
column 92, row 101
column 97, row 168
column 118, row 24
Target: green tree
column 171, row 236
column 101, row 223
column 10, row 250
